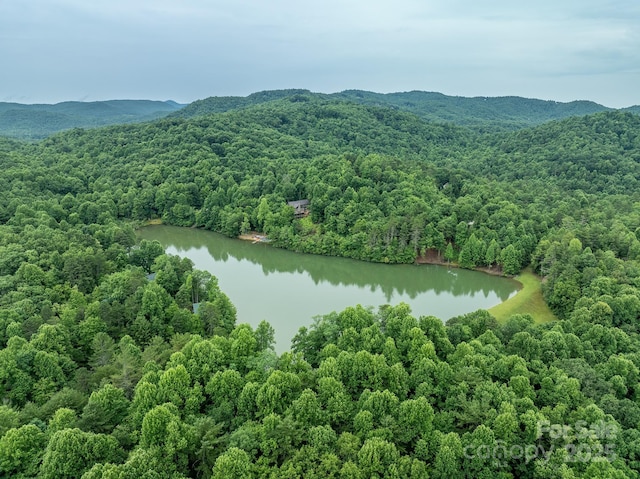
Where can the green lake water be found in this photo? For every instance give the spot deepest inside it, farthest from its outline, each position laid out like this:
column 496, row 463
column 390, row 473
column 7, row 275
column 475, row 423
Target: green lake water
column 288, row 289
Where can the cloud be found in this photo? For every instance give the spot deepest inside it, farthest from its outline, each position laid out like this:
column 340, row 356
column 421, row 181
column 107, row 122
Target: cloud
column 197, row 48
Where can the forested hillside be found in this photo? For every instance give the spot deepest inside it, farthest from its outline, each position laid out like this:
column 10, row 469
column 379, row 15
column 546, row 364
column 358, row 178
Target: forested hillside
column 220, row 104
column 107, row 372
column 481, row 114
column 40, row 120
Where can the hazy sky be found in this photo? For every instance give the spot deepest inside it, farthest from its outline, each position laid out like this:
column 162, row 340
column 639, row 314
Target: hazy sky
column 55, row 50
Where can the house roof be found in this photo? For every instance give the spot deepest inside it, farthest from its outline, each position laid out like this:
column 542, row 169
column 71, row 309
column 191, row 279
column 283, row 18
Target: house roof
column 298, row 203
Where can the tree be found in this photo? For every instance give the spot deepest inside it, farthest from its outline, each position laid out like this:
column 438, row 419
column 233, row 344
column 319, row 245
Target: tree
column 166, row 274
column 21, row 451
column 377, row 457
column 223, row 390
column 264, row 335
column 218, row 315
column 127, row 365
column 264, row 215
column 146, row 253
column 277, row 393
column 306, row 409
column 63, row 418
column 163, row 431
column 9, row 419
column 492, row 254
column 465, row 259
column 449, row 253
column 106, row 408
column 71, row 452
column 448, row 459
column 233, row 464
column 84, row 267
column 103, row 348
column 415, row 420
column 245, row 226
column 510, row 260
column 175, row 386
column 473, row 252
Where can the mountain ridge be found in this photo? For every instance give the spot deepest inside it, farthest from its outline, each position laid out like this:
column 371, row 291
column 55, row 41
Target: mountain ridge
column 480, row 114
column 37, row 121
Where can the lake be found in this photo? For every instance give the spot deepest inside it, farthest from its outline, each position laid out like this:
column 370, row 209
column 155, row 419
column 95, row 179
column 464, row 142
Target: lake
column 288, row 289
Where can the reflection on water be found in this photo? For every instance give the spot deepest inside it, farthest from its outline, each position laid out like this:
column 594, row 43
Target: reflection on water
column 288, row 289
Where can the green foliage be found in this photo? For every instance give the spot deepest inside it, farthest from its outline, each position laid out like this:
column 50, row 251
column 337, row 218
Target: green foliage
column 21, row 451
column 107, row 407
column 38, row 121
column 106, row 371
column 480, row 113
column 233, row 464
column 70, row 452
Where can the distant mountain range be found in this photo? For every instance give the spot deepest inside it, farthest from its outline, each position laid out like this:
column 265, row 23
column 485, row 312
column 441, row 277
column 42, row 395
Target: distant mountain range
column 478, row 113
column 481, row 114
column 41, row 120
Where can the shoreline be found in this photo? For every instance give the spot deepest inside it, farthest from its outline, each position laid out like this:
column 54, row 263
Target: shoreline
column 254, row 237
column 527, row 300
column 432, row 257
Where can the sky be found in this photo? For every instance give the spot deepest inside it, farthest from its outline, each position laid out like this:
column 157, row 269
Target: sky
column 183, row 50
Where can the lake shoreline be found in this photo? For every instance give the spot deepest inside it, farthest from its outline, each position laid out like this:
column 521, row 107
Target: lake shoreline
column 288, row 289
column 254, row 237
column 527, row 300
column 433, row 257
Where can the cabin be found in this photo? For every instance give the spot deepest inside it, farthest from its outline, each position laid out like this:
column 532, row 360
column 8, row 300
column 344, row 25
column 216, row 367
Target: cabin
column 300, row 208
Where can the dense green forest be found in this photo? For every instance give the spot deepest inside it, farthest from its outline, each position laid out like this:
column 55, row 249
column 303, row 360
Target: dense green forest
column 481, row 114
column 107, row 372
column 41, row 120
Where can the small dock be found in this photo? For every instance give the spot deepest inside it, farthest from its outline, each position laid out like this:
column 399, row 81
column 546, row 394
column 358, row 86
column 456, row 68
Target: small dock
column 260, row 239
column 255, row 238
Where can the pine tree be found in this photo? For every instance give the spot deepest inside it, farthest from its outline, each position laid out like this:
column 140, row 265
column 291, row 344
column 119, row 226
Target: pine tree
column 449, row 254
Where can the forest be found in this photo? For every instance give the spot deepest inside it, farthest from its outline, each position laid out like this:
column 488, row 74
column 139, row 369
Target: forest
column 106, row 370
column 483, row 114
column 34, row 122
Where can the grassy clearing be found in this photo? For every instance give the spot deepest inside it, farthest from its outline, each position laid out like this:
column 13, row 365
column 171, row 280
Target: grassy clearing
column 528, row 300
